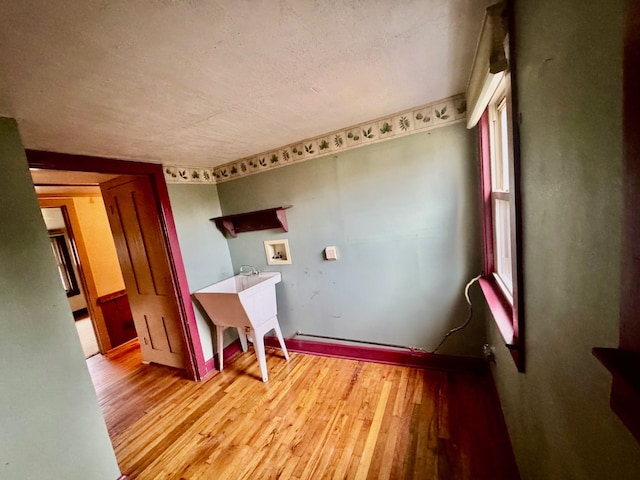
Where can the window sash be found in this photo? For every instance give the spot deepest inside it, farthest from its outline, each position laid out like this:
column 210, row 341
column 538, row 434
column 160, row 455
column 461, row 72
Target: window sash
column 500, row 156
column 503, row 300
column 64, row 264
column 503, row 261
column 502, row 211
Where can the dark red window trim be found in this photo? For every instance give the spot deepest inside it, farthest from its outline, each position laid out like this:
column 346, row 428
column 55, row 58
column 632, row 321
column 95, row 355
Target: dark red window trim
column 504, row 313
column 485, row 178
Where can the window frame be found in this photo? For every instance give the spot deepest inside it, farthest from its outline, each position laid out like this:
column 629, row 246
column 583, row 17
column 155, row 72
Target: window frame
column 502, row 183
column 505, row 305
column 64, row 263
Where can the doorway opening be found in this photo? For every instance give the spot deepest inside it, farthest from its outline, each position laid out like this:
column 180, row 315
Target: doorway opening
column 79, row 210
column 124, row 264
column 71, row 278
column 150, row 196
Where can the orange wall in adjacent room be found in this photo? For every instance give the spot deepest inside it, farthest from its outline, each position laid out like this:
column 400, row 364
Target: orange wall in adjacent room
column 99, row 244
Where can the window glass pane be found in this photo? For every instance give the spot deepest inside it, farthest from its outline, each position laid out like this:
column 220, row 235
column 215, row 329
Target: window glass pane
column 500, row 147
column 63, row 262
column 496, row 157
column 502, row 248
column 56, row 246
column 504, row 146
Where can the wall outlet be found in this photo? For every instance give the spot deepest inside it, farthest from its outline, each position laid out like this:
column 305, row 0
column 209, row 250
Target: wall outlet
column 489, row 353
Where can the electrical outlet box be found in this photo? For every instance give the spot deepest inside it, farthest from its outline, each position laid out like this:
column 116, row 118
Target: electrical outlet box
column 277, row 252
column 489, row 353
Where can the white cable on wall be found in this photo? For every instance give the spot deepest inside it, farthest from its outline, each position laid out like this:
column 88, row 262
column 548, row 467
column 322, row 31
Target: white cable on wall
column 457, row 329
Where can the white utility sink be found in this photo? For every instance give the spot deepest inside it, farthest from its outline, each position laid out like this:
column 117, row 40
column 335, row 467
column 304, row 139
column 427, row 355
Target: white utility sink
column 248, row 303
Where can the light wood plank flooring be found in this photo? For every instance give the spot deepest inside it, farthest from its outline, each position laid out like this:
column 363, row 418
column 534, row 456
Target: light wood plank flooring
column 316, row 418
column 87, row 335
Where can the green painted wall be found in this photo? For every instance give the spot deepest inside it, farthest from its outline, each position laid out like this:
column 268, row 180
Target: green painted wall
column 404, row 217
column 204, row 249
column 51, row 423
column 569, row 56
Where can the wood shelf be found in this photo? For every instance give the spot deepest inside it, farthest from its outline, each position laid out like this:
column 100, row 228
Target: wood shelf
column 624, row 365
column 250, row 221
column 621, row 363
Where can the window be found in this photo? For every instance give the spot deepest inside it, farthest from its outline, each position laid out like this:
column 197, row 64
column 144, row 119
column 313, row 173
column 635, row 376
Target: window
column 499, row 282
column 489, row 97
column 500, row 165
column 63, row 262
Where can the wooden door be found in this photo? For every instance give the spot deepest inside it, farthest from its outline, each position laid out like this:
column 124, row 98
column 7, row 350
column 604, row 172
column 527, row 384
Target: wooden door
column 142, row 253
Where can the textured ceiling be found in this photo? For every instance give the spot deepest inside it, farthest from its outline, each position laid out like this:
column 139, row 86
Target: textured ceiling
column 201, row 83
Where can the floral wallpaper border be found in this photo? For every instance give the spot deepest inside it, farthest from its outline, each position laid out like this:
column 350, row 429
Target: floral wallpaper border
column 419, row 119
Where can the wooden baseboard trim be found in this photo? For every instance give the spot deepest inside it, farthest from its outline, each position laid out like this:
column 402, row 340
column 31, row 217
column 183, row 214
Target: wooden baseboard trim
column 81, row 313
column 128, row 345
column 211, row 366
column 383, row 355
column 230, row 350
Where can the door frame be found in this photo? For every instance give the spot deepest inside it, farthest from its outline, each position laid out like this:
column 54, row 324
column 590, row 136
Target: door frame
column 142, row 255
column 84, row 265
column 196, row 366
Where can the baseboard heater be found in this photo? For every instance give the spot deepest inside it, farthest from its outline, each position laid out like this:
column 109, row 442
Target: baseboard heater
column 364, row 342
column 376, row 352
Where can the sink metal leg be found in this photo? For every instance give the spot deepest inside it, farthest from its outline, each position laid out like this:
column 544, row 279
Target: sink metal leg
column 262, row 360
column 243, row 338
column 220, row 338
column 281, row 340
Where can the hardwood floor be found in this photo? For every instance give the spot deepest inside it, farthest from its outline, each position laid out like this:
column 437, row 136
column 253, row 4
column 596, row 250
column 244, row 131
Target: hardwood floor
column 87, row 335
column 317, row 417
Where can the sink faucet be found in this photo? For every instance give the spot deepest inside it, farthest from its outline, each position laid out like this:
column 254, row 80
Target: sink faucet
column 248, row 270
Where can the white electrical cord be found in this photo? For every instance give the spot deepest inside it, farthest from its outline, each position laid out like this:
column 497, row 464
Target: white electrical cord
column 457, row 329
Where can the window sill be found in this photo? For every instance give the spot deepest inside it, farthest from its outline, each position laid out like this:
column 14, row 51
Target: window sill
column 503, row 315
column 621, row 363
column 500, row 309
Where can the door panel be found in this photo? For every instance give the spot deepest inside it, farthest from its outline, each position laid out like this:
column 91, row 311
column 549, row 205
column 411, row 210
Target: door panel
column 143, row 257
